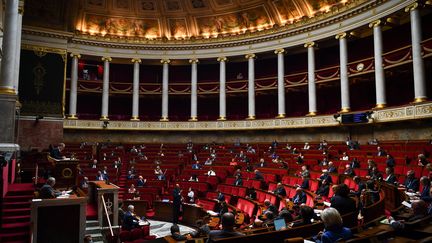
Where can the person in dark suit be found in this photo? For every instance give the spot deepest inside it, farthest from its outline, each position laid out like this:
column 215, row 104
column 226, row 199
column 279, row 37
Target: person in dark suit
column 223, row 208
column 238, row 181
column 175, row 234
column 299, row 197
column 47, row 191
column 228, row 221
column 349, row 170
column 251, row 193
column 390, row 178
column 130, row 220
column 324, row 189
column 355, row 163
column 280, row 190
column 325, row 176
column 331, row 168
column 381, row 152
column 390, row 161
column 411, row 183
column 141, row 181
column 220, row 197
column 196, row 166
column 261, row 163
column 176, row 203
column 341, row 201
column 425, row 194
column 306, row 216
column 101, row 176
column 258, row 175
column 305, row 183
column 361, row 186
column 56, row 152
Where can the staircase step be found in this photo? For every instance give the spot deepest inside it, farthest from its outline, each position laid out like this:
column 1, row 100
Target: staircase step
column 16, row 211
column 16, row 205
column 20, row 198
column 16, row 219
column 15, row 227
column 15, row 236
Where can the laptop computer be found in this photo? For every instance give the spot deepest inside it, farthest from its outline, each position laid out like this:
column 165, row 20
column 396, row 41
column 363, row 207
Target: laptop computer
column 279, row 224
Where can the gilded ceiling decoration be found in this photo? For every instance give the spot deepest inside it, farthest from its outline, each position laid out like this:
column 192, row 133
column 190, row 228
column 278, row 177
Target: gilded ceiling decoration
column 173, row 19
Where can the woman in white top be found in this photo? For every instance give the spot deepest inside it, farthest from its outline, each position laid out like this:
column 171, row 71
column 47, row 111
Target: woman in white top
column 132, row 189
column 211, row 172
column 191, row 195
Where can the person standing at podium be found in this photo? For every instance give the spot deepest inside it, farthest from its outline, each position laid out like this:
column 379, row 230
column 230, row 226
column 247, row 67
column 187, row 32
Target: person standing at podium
column 177, row 198
column 47, row 191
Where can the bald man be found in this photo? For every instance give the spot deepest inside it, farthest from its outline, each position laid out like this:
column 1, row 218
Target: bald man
column 228, row 222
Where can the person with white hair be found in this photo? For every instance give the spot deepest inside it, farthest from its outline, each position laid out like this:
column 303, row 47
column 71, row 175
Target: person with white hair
column 130, row 220
column 333, row 227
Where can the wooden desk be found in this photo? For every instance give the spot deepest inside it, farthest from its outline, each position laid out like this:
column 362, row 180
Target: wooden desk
column 99, row 189
column 191, row 213
column 58, row 220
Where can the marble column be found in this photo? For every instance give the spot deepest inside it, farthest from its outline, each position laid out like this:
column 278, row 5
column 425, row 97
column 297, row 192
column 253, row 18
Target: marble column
column 251, row 85
column 18, row 44
column 379, row 69
column 194, row 89
column 165, row 73
column 343, row 58
column 135, row 91
column 73, row 86
column 281, row 82
column 311, row 78
column 7, row 77
column 418, row 66
column 105, row 88
column 222, row 88
column 8, row 90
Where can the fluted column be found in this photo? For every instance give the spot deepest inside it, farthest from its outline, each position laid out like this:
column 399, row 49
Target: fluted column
column 343, row 56
column 194, row 88
column 7, row 78
column 418, row 66
column 73, row 86
column 105, row 88
column 251, row 85
column 281, row 82
column 165, row 73
column 18, row 44
column 379, row 69
column 135, row 91
column 311, row 78
column 222, row 88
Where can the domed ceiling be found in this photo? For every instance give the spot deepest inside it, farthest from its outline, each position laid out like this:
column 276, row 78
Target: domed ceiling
column 173, row 19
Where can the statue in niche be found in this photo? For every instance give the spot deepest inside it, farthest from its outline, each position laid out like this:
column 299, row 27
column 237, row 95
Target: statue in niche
column 39, row 72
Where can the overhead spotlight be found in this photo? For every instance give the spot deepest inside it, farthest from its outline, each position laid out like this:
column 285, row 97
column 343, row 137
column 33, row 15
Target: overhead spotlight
column 105, row 124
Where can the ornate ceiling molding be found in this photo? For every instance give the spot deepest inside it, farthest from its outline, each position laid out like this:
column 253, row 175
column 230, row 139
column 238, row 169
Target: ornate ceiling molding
column 267, row 40
column 409, row 112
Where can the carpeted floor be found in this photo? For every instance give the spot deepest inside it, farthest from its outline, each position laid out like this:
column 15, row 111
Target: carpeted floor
column 161, row 229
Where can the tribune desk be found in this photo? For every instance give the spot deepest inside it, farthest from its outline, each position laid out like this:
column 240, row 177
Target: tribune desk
column 58, row 220
column 191, row 212
column 99, row 189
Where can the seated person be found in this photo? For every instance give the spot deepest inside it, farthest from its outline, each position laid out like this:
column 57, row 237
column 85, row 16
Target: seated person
column 251, row 194
column 130, row 175
column 196, row 166
column 411, row 183
column 159, row 173
column 280, row 190
column 130, row 220
column 56, row 152
column 349, row 170
column 238, row 181
column 333, row 227
column 425, row 194
column 223, row 208
column 101, row 177
column 299, row 197
column 325, row 176
column 193, row 177
column 105, row 170
column 141, row 181
column 300, row 158
column 211, row 172
column 306, row 216
column 209, row 161
column 228, row 222
column 305, row 183
column 324, row 189
column 220, row 197
column 84, row 183
column 258, row 175
column 361, row 186
column 390, row 178
column 344, row 156
column 269, row 208
column 175, row 234
column 132, row 189
column 191, row 195
column 419, row 211
column 390, row 161
column 341, row 200
column 381, row 151
column 331, row 168
column 422, row 161
column 47, row 191
column 136, row 196
column 306, row 146
column 261, row 163
column 304, row 171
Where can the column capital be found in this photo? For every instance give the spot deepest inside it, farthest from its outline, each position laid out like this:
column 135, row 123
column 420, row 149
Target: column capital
column 411, row 7
column 106, row 59
column 134, row 60
column 250, row 56
column 340, row 36
column 75, row 55
column 310, row 44
column 21, row 7
column 375, row 23
column 193, row 61
column 279, row 51
column 165, row 61
column 222, row 59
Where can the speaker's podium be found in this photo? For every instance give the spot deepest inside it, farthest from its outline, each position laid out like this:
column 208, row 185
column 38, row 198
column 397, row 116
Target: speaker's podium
column 60, row 220
column 101, row 193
